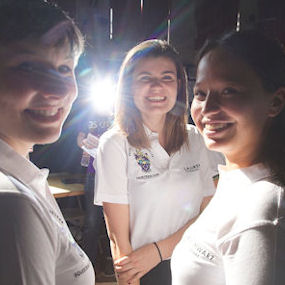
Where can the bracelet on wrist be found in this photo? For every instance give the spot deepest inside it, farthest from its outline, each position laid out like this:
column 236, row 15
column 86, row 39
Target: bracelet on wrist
column 159, row 252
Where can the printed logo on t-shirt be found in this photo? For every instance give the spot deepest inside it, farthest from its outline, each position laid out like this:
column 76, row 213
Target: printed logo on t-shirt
column 64, row 230
column 81, row 271
column 192, row 168
column 143, row 161
column 202, row 252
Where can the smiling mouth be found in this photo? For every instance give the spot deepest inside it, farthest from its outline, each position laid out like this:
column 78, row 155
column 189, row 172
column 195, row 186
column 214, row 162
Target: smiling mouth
column 156, row 98
column 216, row 127
column 46, row 116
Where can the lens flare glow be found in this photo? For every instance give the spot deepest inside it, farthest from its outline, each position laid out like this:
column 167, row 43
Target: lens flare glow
column 102, row 95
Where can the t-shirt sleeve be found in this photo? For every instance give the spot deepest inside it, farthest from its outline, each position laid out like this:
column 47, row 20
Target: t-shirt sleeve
column 250, row 258
column 111, row 181
column 27, row 249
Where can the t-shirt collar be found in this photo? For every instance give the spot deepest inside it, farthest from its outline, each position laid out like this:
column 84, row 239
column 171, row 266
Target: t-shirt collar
column 251, row 174
column 150, row 133
column 21, row 168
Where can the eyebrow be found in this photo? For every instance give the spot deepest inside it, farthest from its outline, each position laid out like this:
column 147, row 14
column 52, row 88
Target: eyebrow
column 230, row 82
column 164, row 72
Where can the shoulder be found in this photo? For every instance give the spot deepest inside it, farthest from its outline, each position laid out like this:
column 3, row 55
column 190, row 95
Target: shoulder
column 113, row 135
column 194, row 137
column 6, row 186
column 197, row 147
column 12, row 192
column 192, row 130
column 264, row 202
column 17, row 202
column 267, row 193
column 112, row 142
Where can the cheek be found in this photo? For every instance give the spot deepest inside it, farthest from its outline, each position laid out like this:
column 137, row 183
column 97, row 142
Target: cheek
column 137, row 94
column 195, row 111
column 73, row 91
column 16, row 86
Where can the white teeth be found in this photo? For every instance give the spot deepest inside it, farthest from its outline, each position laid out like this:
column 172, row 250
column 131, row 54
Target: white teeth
column 46, row 113
column 214, row 127
column 156, row 98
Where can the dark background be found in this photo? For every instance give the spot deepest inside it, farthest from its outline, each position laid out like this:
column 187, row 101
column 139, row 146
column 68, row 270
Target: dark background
column 187, row 24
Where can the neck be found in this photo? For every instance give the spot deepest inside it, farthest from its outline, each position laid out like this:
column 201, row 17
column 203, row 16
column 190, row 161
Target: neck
column 240, row 161
column 155, row 124
column 22, row 148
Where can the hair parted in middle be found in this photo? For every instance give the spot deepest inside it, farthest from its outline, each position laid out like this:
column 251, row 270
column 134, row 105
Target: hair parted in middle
column 128, row 117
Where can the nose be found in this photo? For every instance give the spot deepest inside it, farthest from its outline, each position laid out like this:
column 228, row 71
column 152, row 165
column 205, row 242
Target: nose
column 155, row 82
column 52, row 83
column 211, row 104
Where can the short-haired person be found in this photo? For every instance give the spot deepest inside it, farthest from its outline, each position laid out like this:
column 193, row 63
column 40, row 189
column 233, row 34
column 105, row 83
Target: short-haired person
column 238, row 107
column 39, row 49
column 153, row 172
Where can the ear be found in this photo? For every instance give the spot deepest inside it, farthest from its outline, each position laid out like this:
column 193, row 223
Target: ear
column 277, row 102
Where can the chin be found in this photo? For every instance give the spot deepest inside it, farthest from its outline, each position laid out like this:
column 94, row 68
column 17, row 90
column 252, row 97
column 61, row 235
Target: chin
column 213, row 145
column 47, row 136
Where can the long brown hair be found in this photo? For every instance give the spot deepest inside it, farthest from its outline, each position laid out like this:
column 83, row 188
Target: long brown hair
column 128, row 117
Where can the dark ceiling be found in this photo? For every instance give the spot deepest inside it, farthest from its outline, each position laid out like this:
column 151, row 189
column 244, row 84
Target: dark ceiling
column 191, row 22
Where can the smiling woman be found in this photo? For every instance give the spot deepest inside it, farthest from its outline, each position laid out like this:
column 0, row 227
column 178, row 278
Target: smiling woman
column 151, row 167
column 238, row 106
column 39, row 49
column 44, row 92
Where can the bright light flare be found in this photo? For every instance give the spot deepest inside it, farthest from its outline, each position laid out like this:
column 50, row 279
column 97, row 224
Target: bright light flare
column 102, row 95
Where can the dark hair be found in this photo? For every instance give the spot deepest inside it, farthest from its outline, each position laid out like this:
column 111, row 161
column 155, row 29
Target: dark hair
column 33, row 19
column 128, row 117
column 266, row 57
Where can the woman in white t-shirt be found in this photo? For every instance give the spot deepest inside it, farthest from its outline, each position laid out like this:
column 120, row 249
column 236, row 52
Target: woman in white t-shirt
column 39, row 49
column 154, row 174
column 238, row 106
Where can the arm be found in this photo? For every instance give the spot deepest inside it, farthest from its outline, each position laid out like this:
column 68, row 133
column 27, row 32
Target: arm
column 249, row 258
column 113, row 192
column 117, row 222
column 147, row 257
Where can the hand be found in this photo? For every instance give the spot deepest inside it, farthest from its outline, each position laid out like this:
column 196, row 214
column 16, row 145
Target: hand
column 90, row 142
column 80, row 138
column 132, row 267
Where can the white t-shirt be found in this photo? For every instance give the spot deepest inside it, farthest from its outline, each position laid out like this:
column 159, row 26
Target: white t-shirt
column 163, row 192
column 240, row 236
column 36, row 246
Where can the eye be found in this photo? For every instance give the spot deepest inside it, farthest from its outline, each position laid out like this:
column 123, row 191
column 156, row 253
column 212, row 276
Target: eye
column 169, row 78
column 199, row 94
column 64, row 69
column 229, row 91
column 27, row 66
column 144, row 78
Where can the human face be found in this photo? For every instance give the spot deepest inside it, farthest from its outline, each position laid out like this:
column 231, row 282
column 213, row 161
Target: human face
column 155, row 86
column 37, row 89
column 230, row 107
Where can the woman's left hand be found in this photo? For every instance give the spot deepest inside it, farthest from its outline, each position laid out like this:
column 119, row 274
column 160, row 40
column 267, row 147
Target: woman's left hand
column 135, row 265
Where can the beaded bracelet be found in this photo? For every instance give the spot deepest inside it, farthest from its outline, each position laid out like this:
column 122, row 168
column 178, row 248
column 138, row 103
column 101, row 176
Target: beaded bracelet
column 158, row 251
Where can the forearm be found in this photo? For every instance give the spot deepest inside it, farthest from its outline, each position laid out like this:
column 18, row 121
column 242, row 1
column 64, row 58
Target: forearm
column 119, row 248
column 117, row 222
column 168, row 244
